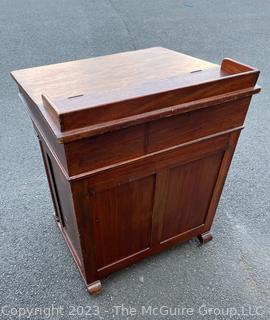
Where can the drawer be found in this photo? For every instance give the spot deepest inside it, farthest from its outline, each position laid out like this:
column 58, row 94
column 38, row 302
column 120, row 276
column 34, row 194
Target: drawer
column 106, row 149
column 118, row 146
column 190, row 126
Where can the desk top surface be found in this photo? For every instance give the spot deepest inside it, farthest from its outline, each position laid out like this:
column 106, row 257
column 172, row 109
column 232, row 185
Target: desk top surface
column 98, row 94
column 106, row 73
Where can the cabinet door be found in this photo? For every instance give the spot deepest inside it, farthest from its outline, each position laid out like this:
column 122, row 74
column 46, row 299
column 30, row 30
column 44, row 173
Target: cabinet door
column 123, row 216
column 188, row 193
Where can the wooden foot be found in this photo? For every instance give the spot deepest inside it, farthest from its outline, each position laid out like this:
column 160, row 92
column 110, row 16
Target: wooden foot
column 205, row 237
column 94, row 288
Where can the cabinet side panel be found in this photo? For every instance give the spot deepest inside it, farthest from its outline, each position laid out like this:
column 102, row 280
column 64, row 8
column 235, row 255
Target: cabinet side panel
column 190, row 189
column 43, row 130
column 65, row 205
column 123, row 218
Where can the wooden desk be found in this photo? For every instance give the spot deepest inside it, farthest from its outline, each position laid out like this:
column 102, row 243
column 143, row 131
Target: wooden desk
column 136, row 147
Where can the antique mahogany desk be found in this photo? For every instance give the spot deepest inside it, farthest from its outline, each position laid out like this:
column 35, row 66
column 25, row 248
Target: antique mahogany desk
column 136, row 147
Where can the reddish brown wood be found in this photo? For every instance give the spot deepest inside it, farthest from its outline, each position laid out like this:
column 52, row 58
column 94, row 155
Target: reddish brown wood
column 205, row 237
column 159, row 206
column 189, row 192
column 118, row 216
column 226, row 161
column 136, row 148
column 72, row 118
column 97, row 152
column 94, row 288
column 194, row 125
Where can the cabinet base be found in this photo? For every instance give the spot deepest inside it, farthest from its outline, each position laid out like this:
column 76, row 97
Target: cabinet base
column 205, row 237
column 94, row 288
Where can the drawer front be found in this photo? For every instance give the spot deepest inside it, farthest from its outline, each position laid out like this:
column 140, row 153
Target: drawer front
column 190, row 126
column 101, row 151
column 119, row 146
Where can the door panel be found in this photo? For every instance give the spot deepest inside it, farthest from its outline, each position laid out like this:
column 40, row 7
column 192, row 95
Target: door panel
column 123, row 219
column 189, row 191
column 123, row 214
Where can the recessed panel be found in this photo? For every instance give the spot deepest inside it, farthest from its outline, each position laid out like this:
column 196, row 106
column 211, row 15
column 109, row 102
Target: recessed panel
column 190, row 188
column 123, row 219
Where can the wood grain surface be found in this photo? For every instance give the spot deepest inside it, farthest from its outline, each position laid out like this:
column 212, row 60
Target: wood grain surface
column 136, row 147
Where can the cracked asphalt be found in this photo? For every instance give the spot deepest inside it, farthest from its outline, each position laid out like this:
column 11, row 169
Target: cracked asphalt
column 36, row 270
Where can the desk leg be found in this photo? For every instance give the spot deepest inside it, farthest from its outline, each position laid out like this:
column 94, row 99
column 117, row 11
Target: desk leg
column 205, row 237
column 94, row 288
